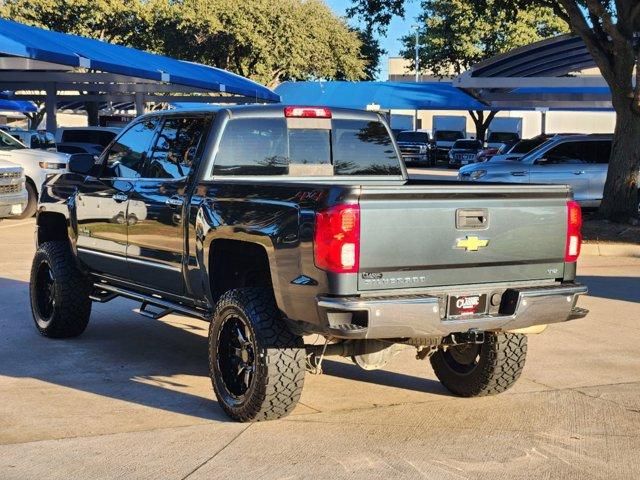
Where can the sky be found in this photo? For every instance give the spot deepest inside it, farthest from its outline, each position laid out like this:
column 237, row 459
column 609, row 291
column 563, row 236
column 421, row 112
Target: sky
column 397, row 29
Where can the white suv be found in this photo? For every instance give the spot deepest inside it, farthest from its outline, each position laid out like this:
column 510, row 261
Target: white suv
column 38, row 165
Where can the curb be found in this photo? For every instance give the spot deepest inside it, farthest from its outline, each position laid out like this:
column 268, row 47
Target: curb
column 611, row 249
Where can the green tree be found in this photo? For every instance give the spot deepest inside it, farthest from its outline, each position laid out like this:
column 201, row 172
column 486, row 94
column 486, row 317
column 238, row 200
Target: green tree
column 267, row 41
column 455, row 35
column 116, row 21
column 611, row 31
column 264, row 40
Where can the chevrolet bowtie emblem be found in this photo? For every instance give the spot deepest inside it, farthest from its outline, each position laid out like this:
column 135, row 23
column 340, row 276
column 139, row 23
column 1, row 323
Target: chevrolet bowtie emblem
column 471, row 244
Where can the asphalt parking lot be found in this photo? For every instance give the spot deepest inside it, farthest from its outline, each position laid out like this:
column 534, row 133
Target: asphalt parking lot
column 131, row 398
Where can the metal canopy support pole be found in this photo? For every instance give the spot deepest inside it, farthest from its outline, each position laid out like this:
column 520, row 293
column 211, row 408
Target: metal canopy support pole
column 139, row 101
column 51, row 107
column 543, row 119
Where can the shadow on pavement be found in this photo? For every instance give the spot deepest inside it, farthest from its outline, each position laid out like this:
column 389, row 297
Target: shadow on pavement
column 128, row 357
column 384, row 377
column 121, row 355
column 615, row 288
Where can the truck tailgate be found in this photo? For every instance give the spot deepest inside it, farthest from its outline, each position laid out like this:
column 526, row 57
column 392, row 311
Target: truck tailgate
column 429, row 235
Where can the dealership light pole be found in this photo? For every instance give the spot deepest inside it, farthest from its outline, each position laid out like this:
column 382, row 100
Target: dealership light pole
column 417, row 67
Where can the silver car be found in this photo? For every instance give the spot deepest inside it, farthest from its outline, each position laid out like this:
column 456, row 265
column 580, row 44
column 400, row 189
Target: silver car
column 580, row 161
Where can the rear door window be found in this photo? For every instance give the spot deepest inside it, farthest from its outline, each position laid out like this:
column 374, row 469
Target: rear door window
column 603, row 147
column 566, row 153
column 265, row 146
column 253, row 146
column 175, row 150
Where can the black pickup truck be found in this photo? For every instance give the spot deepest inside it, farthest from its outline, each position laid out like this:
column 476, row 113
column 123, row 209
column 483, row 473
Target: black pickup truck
column 274, row 223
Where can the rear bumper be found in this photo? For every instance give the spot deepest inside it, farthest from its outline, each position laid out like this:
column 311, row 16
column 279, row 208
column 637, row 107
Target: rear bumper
column 423, row 316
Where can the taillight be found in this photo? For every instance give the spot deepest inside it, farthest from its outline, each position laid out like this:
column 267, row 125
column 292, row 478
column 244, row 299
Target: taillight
column 336, row 246
column 307, row 112
column 574, row 236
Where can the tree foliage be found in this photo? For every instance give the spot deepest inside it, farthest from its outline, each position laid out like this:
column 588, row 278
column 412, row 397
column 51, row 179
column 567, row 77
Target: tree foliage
column 454, row 34
column 264, row 40
column 611, row 31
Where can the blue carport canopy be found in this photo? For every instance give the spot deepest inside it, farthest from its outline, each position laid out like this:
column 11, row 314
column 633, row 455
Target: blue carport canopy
column 18, row 40
column 17, row 106
column 388, row 95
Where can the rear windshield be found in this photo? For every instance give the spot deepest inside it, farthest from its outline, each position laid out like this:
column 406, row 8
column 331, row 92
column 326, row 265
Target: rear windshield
column 524, row 146
column 448, row 135
column 502, row 137
column 414, row 137
column 265, row 146
column 96, row 137
column 466, row 144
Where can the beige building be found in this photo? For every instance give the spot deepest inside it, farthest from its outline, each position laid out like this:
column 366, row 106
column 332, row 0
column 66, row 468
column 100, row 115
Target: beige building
column 557, row 121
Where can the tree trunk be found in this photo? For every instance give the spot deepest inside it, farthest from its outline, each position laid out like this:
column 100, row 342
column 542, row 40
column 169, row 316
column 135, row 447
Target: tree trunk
column 620, row 202
column 35, row 118
column 481, row 124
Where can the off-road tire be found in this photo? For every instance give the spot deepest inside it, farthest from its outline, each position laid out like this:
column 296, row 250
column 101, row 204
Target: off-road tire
column 32, row 202
column 499, row 363
column 279, row 357
column 71, row 307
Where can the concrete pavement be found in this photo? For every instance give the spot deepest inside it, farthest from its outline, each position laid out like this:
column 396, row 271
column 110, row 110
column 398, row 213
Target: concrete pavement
column 131, row 398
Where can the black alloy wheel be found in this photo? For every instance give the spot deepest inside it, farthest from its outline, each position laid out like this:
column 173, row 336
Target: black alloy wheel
column 236, row 355
column 45, row 300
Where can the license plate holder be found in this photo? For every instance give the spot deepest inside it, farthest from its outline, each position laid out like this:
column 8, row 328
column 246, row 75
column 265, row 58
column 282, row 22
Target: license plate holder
column 463, row 305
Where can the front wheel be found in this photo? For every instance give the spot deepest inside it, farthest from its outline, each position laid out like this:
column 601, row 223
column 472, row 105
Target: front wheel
column 256, row 364
column 474, row 370
column 59, row 292
column 32, row 202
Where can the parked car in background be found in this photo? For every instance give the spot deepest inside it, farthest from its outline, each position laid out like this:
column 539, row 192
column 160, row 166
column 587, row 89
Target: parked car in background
column 36, row 139
column 13, row 195
column 447, row 130
column 464, row 152
column 487, row 153
column 93, row 135
column 580, row 161
column 523, row 147
column 38, row 165
column 415, row 147
column 72, row 148
column 504, row 132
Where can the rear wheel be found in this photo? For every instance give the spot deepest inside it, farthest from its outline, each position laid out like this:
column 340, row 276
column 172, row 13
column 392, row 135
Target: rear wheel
column 59, row 292
column 474, row 370
column 257, row 365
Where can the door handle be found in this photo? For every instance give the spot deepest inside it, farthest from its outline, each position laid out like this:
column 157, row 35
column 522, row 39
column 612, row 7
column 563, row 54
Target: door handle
column 579, row 172
column 519, row 174
column 120, row 197
column 174, row 201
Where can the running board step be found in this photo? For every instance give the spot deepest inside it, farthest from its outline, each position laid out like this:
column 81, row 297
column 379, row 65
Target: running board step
column 103, row 292
column 145, row 312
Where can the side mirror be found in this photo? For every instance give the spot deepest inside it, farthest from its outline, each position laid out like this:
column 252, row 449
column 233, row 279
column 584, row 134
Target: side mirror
column 81, row 163
column 541, row 161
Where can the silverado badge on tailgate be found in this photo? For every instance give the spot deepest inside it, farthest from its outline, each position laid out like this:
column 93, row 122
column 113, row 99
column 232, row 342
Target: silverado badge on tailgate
column 471, row 243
